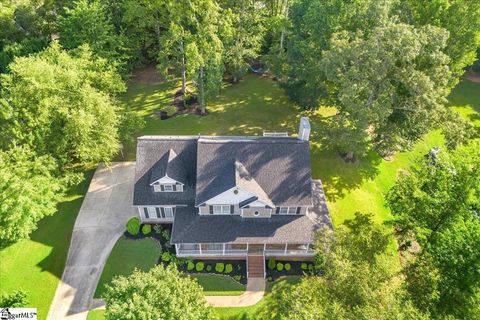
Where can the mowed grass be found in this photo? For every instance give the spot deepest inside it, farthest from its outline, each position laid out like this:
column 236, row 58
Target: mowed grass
column 36, row 265
column 256, row 104
column 125, row 257
column 219, row 285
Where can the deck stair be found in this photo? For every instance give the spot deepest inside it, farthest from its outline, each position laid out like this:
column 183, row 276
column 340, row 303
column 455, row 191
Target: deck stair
column 255, row 266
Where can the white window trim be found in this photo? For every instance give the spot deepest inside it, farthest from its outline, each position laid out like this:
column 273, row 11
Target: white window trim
column 152, row 212
column 168, row 185
column 157, row 188
column 222, row 209
column 288, row 210
column 170, row 212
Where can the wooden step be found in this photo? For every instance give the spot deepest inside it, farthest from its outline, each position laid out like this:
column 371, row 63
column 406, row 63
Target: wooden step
column 256, row 266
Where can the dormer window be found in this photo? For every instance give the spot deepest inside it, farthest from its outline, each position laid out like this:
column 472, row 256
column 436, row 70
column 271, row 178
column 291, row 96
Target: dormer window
column 167, row 187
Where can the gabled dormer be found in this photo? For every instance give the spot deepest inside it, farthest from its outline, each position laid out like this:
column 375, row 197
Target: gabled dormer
column 169, row 175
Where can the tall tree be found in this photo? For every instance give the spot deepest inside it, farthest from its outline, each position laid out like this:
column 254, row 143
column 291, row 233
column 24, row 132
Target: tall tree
column 90, row 22
column 62, row 104
column 359, row 281
column 313, row 22
column 138, row 296
column 244, row 39
column 28, row 192
column 389, row 87
column 462, row 20
column 437, row 205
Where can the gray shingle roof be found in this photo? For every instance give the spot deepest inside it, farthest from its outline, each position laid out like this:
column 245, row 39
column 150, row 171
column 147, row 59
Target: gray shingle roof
column 280, row 167
column 190, row 227
column 153, row 153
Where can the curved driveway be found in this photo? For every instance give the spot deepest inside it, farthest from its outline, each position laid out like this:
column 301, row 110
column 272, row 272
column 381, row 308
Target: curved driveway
column 100, row 222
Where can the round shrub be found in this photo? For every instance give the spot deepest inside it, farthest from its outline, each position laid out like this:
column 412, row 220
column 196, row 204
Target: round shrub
column 146, row 229
column 279, row 267
column 288, row 266
column 239, row 267
column 271, row 264
column 310, row 267
column 133, row 226
column 219, row 267
column 199, row 266
column 190, row 265
column 228, row 268
column 209, row 267
column 166, row 256
column 237, row 277
column 303, row 266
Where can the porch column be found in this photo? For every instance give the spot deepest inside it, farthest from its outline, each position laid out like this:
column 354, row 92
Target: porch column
column 224, row 249
column 308, row 246
column 200, row 247
column 176, row 249
column 285, row 252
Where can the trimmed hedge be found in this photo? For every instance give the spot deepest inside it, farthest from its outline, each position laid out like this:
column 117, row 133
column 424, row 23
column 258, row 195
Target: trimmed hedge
column 304, row 266
column 146, row 229
column 133, row 226
column 228, row 268
column 271, row 264
column 219, row 267
column 279, row 266
column 166, row 256
column 288, row 266
column 190, row 266
column 199, row 266
column 209, row 267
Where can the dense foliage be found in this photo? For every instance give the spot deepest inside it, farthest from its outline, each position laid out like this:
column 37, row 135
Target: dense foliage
column 437, row 206
column 359, row 281
column 28, row 192
column 161, row 293
column 62, row 104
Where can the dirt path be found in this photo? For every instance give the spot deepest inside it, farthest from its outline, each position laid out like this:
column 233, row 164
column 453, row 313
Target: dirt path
column 101, row 221
column 254, row 293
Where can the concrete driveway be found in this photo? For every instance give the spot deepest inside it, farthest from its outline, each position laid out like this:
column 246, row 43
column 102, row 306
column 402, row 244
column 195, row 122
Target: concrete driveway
column 101, row 221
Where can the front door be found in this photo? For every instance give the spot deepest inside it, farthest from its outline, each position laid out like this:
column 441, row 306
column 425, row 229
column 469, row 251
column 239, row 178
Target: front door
column 255, row 248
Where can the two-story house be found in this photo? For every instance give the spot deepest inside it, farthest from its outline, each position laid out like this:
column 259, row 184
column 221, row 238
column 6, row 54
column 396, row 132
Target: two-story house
column 232, row 196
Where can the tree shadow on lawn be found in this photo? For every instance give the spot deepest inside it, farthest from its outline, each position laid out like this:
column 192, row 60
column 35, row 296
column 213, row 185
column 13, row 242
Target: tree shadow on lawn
column 56, row 231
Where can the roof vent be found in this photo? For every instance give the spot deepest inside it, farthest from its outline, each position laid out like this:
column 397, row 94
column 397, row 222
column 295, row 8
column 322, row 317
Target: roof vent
column 275, row 134
column 235, row 191
column 304, row 129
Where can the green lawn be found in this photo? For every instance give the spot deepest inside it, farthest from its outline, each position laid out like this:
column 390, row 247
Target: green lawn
column 36, row 265
column 126, row 256
column 96, row 315
column 255, row 311
column 218, row 285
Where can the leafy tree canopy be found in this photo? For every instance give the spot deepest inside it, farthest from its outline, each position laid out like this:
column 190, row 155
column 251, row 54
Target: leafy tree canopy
column 161, row 293
column 89, row 22
column 359, row 280
column 389, row 87
column 62, row 104
column 437, row 205
column 28, row 192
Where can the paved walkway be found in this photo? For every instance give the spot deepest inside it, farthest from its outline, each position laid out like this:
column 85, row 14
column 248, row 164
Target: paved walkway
column 100, row 222
column 253, row 294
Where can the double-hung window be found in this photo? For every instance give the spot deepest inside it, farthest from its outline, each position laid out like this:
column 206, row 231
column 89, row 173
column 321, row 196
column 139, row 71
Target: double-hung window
column 151, row 212
column 168, row 212
column 221, row 209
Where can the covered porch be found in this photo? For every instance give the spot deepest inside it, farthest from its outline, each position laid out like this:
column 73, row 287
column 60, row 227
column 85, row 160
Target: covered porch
column 242, row 249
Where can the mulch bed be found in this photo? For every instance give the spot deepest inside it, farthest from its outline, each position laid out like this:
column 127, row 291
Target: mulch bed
column 157, row 236
column 235, row 272
column 296, row 270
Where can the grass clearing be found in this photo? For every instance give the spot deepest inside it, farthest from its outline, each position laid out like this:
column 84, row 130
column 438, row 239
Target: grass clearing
column 219, row 285
column 36, row 265
column 125, row 257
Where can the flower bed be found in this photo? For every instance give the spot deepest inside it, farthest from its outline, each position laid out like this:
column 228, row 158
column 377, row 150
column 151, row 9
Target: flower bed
column 237, row 269
column 157, row 231
column 276, row 269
